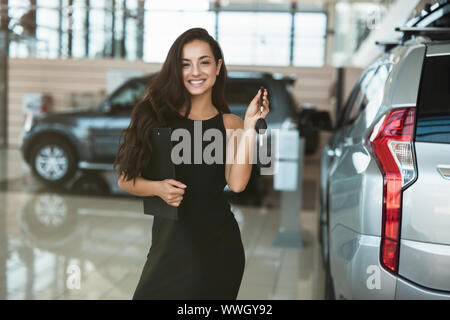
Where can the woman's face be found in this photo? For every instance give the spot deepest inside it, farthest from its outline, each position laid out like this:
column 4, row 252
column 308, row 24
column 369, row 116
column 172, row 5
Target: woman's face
column 199, row 67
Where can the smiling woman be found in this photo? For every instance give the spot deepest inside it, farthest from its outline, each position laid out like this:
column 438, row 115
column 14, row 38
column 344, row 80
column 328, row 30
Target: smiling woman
column 200, row 255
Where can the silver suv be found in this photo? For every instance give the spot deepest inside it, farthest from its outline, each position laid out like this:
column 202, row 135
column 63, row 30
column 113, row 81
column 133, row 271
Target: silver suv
column 385, row 177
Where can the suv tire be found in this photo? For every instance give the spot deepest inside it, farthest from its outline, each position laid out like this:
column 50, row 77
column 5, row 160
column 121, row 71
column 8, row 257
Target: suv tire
column 53, row 161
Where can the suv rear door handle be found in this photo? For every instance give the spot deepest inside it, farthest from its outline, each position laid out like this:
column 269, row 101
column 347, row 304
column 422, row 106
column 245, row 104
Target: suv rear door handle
column 444, row 170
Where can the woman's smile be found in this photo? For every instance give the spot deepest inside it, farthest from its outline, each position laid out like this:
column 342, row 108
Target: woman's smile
column 196, row 83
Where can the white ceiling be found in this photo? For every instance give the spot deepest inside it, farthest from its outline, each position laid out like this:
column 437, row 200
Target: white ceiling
column 317, row 2
column 285, row 4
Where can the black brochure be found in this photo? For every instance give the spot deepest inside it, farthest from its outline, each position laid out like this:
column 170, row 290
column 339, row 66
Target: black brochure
column 160, row 168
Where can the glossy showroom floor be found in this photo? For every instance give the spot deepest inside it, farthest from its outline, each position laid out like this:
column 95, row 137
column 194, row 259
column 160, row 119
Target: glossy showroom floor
column 92, row 229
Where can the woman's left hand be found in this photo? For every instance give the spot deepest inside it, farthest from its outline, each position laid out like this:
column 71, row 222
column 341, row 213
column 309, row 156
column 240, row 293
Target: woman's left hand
column 253, row 113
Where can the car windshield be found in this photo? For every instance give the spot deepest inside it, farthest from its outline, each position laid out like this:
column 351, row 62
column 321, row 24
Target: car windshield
column 128, row 96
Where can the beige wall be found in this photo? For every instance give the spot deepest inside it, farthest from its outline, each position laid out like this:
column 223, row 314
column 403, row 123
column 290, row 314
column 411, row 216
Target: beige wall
column 62, row 78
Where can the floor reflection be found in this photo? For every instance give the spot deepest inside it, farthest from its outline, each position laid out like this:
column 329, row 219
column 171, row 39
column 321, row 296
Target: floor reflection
column 75, row 224
column 57, row 231
column 93, row 227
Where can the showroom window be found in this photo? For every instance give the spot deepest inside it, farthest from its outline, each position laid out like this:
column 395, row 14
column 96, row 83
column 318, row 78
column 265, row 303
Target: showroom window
column 77, row 22
column 19, row 48
column 48, row 34
column 97, row 32
column 267, row 34
column 309, row 42
column 258, row 38
column 163, row 27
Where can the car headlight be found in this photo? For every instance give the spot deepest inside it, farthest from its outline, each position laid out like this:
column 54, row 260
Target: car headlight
column 29, row 119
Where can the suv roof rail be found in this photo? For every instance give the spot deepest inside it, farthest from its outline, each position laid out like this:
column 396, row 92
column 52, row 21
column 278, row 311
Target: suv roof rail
column 434, row 33
column 430, row 14
column 423, row 30
column 388, row 45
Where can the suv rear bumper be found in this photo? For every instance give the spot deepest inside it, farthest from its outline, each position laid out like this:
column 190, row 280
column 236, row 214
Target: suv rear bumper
column 409, row 291
column 355, row 266
column 426, row 264
column 358, row 274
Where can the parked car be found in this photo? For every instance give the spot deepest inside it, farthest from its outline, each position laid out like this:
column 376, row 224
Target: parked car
column 385, row 176
column 56, row 145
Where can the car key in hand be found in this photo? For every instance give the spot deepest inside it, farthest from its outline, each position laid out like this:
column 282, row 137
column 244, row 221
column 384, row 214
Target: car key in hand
column 261, row 124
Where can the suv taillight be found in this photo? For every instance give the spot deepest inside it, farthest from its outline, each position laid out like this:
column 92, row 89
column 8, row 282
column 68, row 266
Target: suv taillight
column 392, row 143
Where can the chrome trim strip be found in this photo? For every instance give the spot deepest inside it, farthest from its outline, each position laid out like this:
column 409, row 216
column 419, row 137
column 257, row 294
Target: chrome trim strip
column 94, row 166
column 438, row 54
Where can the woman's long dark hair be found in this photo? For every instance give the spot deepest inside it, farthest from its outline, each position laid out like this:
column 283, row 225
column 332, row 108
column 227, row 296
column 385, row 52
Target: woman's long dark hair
column 160, row 105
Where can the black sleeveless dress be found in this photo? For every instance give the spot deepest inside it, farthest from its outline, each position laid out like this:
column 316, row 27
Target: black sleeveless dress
column 200, row 255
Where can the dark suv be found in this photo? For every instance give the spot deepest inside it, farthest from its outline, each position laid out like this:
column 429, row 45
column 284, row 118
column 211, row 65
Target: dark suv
column 58, row 144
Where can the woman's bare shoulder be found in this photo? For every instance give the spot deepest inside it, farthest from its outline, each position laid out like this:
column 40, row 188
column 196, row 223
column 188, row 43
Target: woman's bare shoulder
column 232, row 121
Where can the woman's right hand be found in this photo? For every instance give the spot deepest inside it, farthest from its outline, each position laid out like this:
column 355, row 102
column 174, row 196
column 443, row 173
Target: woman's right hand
column 171, row 191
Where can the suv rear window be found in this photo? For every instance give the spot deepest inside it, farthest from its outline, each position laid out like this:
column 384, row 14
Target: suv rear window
column 433, row 114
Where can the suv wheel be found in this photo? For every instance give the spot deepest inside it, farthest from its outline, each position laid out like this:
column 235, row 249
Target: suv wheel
column 52, row 161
